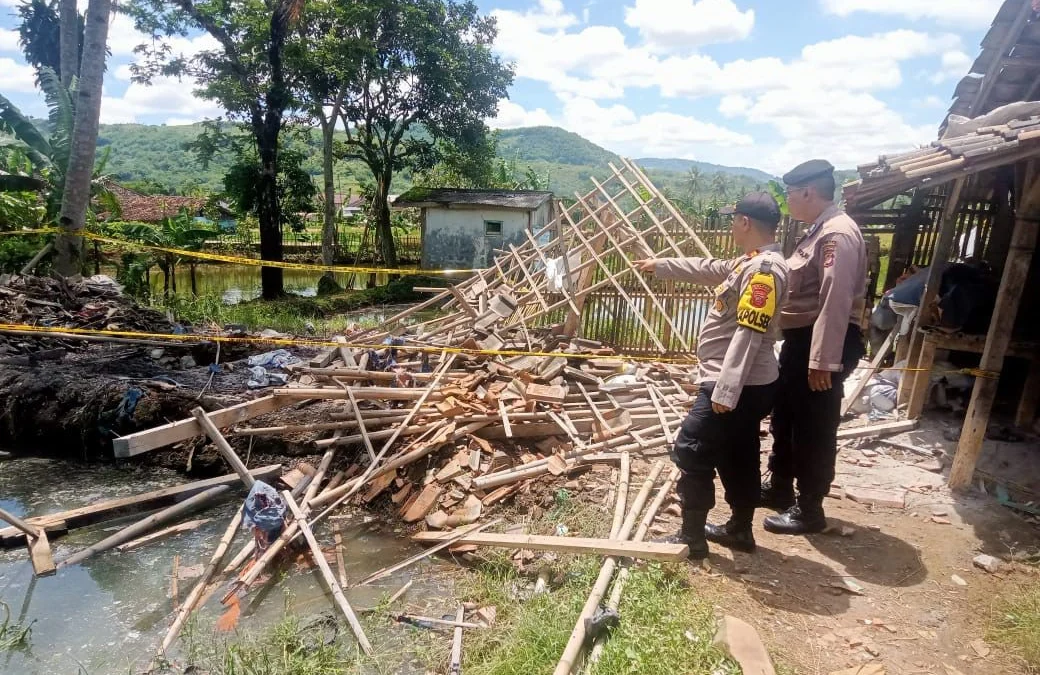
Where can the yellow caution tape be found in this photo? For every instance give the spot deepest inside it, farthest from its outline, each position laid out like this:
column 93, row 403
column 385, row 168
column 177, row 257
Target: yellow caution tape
column 238, row 260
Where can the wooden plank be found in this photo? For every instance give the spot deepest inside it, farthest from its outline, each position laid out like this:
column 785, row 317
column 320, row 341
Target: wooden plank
column 182, row 430
column 1027, row 404
column 877, row 429
column 628, row 549
column 874, row 365
column 223, row 447
column 922, row 377
column 361, row 394
column 94, row 513
column 40, row 554
column 422, row 506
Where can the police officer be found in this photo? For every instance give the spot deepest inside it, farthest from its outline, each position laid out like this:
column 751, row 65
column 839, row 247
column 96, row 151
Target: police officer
column 822, row 344
column 737, row 372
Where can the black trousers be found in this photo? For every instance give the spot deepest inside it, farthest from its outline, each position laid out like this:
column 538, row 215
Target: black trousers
column 805, row 422
column 728, row 443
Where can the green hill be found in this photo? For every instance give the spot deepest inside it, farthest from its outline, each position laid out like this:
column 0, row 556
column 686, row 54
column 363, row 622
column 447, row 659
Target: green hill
column 156, row 155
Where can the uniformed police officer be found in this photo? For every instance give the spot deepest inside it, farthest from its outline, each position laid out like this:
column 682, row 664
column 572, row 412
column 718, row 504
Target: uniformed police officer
column 737, row 374
column 822, row 344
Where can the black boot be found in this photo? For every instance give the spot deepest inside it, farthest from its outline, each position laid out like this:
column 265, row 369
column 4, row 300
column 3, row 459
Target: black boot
column 691, row 534
column 736, row 533
column 805, row 518
column 777, row 494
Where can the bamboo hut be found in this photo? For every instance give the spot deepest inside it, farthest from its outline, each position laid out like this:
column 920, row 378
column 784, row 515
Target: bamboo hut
column 975, row 190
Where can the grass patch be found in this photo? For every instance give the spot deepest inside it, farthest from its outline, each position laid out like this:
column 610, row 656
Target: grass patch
column 665, row 627
column 13, row 635
column 1016, row 625
column 292, row 314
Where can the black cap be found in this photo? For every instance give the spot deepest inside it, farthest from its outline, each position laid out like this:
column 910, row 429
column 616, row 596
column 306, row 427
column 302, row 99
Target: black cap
column 759, row 206
column 807, row 172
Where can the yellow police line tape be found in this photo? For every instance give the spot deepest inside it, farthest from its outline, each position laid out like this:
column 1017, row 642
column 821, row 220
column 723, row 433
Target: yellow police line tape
column 304, row 342
column 218, row 257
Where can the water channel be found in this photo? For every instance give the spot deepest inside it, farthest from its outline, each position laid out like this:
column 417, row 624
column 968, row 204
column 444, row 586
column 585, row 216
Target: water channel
column 108, row 614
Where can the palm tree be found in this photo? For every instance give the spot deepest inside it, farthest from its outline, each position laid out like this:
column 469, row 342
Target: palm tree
column 720, row 186
column 694, row 182
column 83, row 146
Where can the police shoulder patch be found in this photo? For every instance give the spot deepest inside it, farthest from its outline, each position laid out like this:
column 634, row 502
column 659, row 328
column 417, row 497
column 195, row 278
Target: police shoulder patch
column 758, row 302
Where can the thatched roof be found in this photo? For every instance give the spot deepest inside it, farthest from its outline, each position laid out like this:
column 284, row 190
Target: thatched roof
column 525, row 200
column 1008, row 68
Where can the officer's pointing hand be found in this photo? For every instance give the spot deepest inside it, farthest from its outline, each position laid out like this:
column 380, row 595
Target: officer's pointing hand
column 819, row 380
column 646, row 266
column 719, row 408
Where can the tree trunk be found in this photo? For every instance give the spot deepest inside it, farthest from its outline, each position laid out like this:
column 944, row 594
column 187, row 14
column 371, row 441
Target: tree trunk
column 328, row 231
column 268, row 215
column 194, row 289
column 381, row 210
column 68, row 36
column 76, row 198
column 165, row 281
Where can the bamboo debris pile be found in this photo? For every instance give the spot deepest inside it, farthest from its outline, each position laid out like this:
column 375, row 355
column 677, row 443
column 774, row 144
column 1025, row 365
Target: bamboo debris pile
column 441, row 420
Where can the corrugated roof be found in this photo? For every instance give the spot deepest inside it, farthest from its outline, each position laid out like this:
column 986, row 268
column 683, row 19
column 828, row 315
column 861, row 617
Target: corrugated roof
column 1008, row 68
column 507, row 199
column 945, row 160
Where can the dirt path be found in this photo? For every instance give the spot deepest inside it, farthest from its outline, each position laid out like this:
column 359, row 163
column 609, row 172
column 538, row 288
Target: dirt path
column 907, row 612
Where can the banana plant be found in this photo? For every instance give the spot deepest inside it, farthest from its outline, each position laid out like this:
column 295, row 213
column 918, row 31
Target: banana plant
column 36, row 163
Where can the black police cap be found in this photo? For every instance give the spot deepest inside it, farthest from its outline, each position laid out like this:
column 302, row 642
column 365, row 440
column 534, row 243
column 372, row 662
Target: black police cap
column 805, row 173
column 757, row 205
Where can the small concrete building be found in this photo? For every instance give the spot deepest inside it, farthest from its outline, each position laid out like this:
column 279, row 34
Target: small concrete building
column 462, row 228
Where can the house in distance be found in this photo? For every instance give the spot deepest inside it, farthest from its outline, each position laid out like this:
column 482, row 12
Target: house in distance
column 461, row 229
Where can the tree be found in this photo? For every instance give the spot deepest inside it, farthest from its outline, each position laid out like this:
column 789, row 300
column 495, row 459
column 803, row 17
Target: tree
column 76, row 197
column 175, row 232
column 419, row 72
column 40, row 33
column 246, row 75
column 694, row 182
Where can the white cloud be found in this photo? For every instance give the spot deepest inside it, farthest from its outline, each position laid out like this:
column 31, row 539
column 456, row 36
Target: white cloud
column 734, row 104
column 929, row 102
column 18, row 77
column 953, row 65
column 974, row 13
column 123, row 38
column 511, row 115
column 9, row 40
column 162, row 97
column 669, row 24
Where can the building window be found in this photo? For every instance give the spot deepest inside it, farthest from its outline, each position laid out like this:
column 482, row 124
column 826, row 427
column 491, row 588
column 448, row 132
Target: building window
column 492, row 228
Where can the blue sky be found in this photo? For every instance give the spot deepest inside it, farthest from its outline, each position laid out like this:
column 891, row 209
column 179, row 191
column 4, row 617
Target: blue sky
column 762, row 83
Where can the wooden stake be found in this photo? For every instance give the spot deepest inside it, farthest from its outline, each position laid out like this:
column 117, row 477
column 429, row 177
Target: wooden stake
column 173, row 582
column 455, row 663
column 147, row 524
column 36, row 541
column 326, row 573
column 223, row 447
column 341, row 565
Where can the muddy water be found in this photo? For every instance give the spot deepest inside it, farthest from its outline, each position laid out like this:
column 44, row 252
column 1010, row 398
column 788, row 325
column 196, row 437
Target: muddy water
column 108, row 614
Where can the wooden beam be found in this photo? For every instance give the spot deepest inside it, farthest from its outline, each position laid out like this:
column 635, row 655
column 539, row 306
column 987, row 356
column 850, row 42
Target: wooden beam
column 645, row 180
column 1012, row 287
column 1027, row 403
column 630, row 549
column 943, row 246
column 182, row 430
column 877, row 429
column 223, row 447
column 922, row 378
column 95, row 513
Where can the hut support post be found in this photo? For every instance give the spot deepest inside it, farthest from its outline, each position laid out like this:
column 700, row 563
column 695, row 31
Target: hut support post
column 1027, row 405
column 947, row 228
column 1012, row 285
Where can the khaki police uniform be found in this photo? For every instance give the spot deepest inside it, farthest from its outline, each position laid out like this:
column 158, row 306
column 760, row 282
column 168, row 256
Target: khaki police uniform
column 821, row 330
column 737, row 368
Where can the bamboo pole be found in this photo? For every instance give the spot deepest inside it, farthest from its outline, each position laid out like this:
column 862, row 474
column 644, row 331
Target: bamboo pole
column 147, row 524
column 622, row 577
column 207, row 575
column 326, row 573
column 573, row 649
column 459, row 534
column 622, row 495
column 361, row 424
column 223, row 447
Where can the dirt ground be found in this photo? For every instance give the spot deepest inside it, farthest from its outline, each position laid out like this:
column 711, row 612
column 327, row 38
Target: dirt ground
column 884, row 586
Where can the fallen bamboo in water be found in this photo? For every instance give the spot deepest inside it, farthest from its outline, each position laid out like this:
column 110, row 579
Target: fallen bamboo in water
column 151, row 522
column 155, row 536
column 415, row 618
column 207, row 575
column 326, row 573
column 223, row 447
